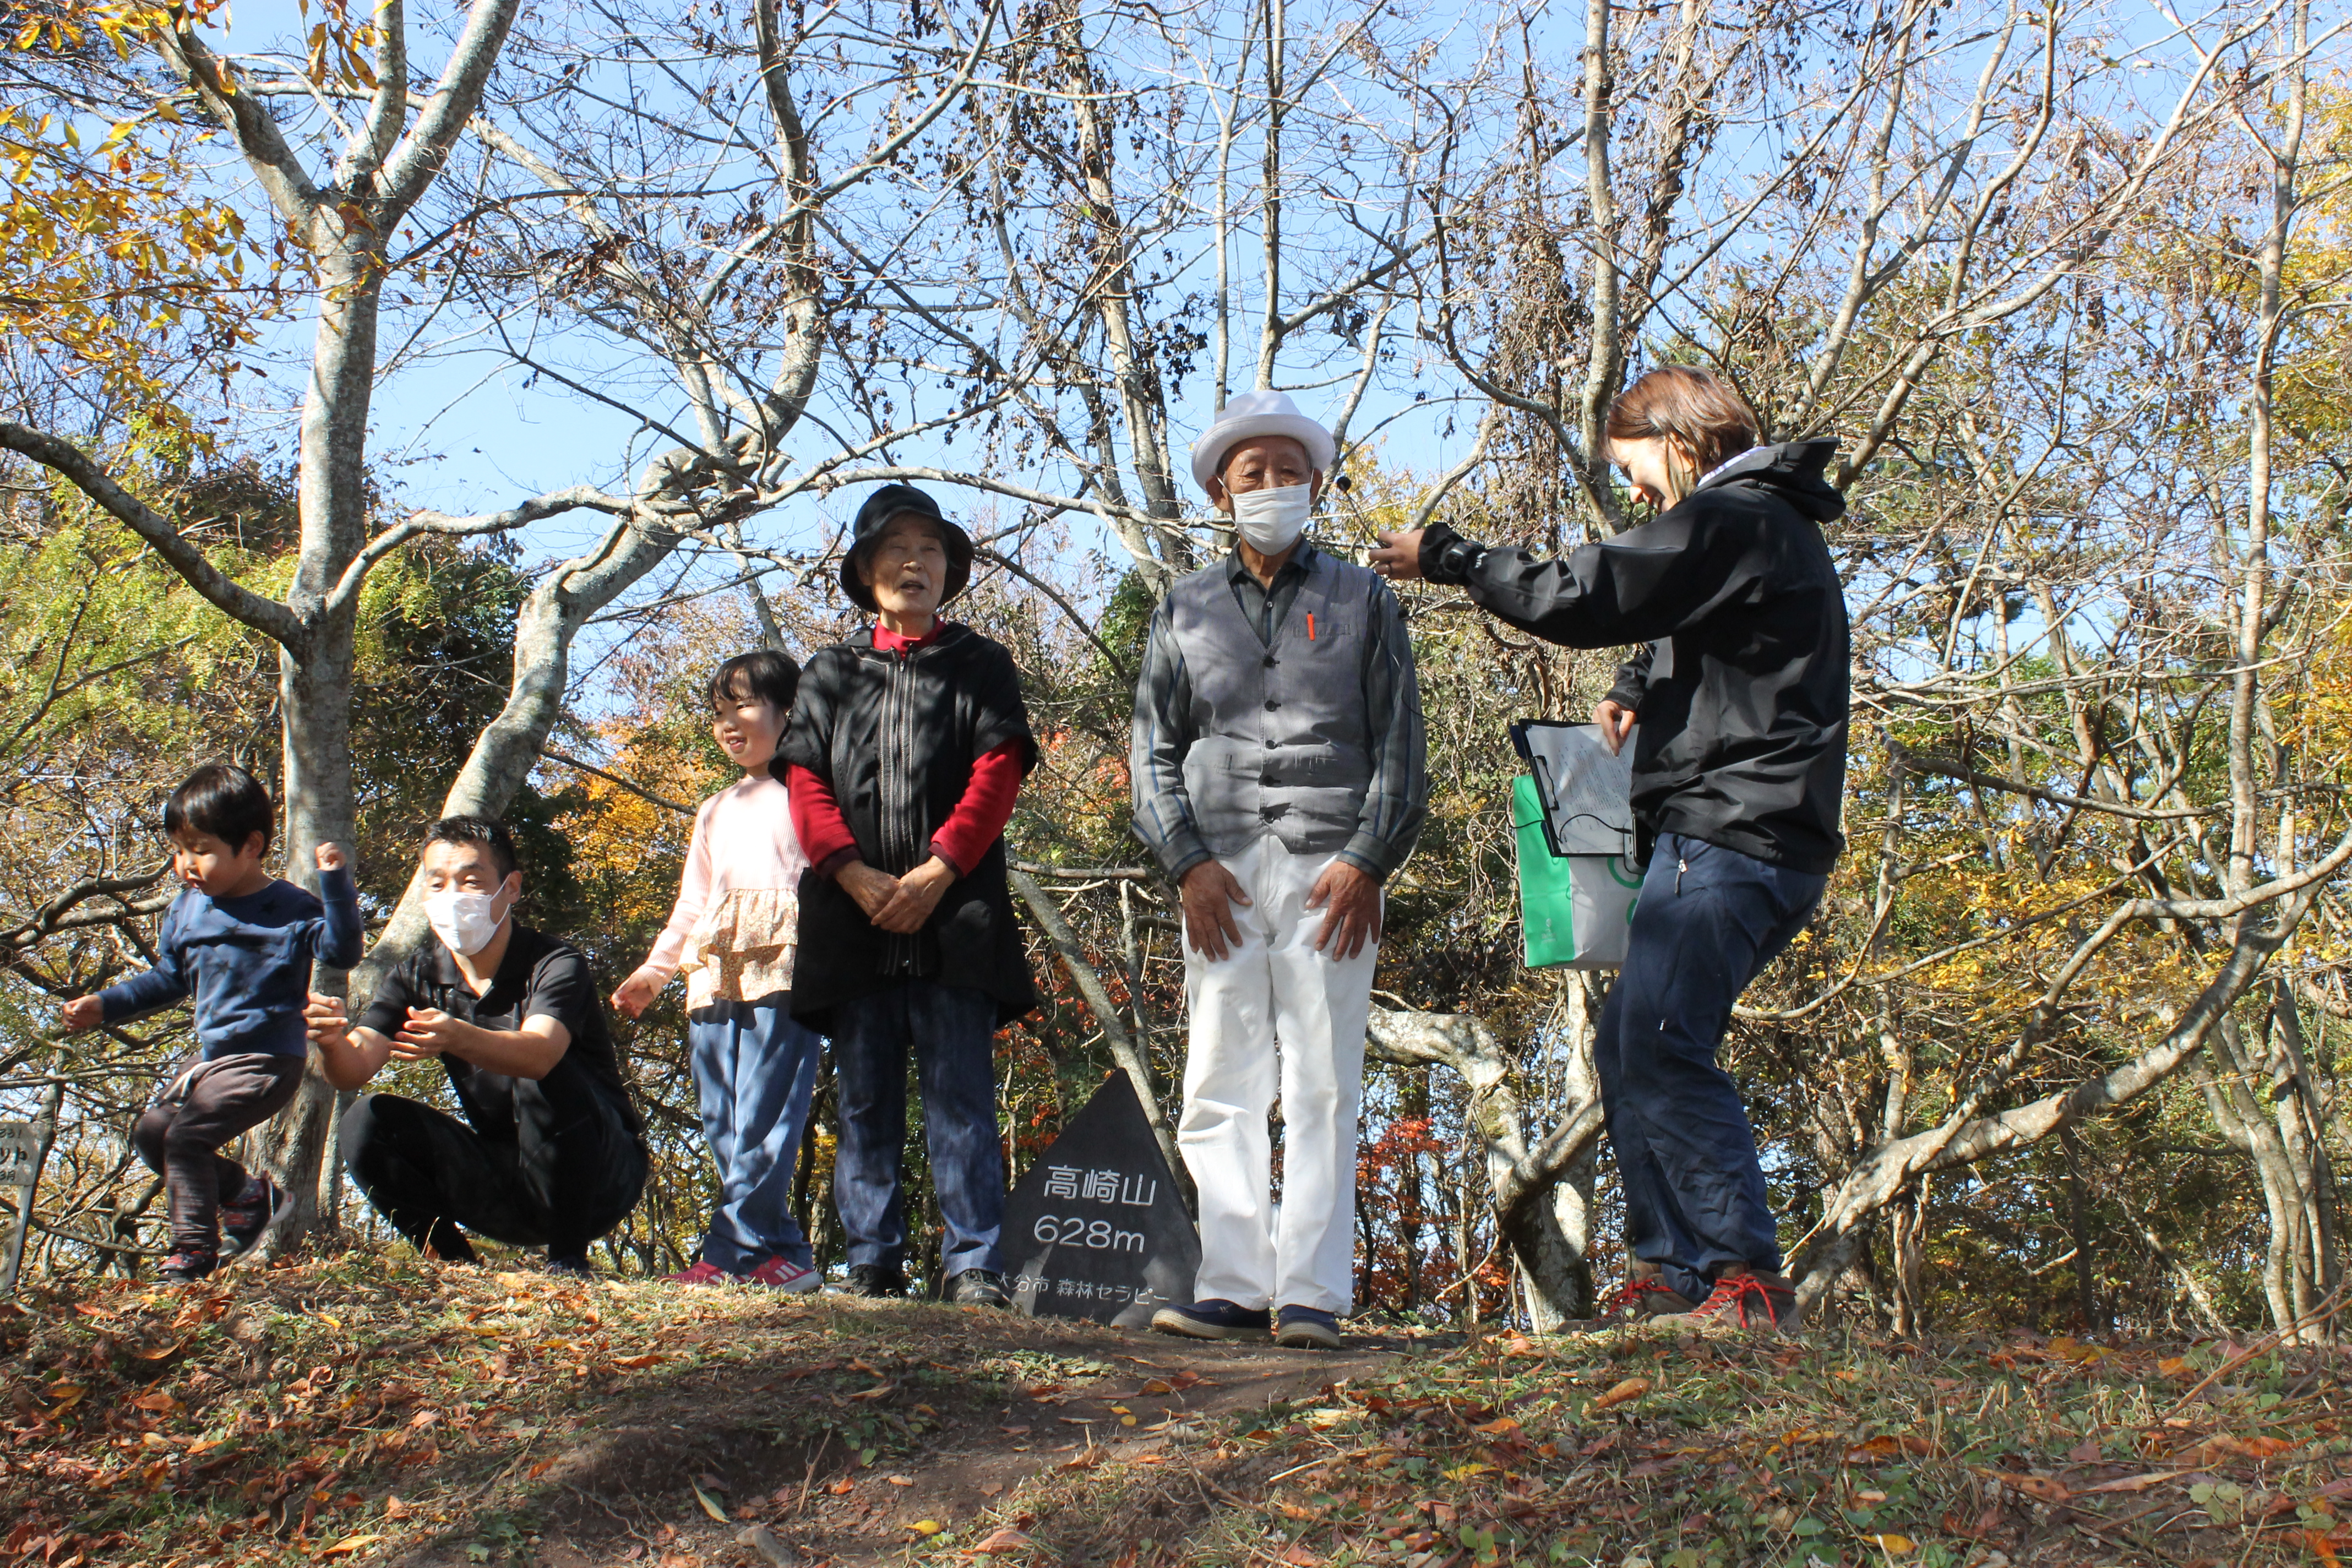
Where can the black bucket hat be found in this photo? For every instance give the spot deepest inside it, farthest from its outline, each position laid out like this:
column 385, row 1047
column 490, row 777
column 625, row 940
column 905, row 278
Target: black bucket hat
column 895, row 500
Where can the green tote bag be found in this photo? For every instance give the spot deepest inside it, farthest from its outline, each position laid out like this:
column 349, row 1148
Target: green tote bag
column 1573, row 908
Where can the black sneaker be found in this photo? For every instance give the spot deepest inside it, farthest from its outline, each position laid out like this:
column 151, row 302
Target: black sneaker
column 880, row 1281
column 978, row 1287
column 1213, row 1320
column 243, row 1217
column 1306, row 1329
column 186, row 1268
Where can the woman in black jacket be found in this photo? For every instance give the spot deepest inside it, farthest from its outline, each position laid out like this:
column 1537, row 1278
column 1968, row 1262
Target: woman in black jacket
column 1740, row 693
column 907, row 746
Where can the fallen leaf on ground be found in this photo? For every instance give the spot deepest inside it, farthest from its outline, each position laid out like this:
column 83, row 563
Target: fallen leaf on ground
column 2042, row 1489
column 2248, row 1448
column 710, row 1505
column 900, row 1480
column 1631, row 1389
column 1497, row 1426
column 1893, row 1545
column 350, row 1543
column 1887, row 1445
column 2135, row 1483
column 1005, row 1540
column 928, row 1527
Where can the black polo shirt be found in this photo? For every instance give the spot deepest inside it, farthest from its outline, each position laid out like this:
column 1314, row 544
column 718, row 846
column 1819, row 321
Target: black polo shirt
column 539, row 975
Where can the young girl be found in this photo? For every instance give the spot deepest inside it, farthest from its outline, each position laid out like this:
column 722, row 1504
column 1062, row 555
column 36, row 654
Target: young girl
column 1740, row 692
column 733, row 932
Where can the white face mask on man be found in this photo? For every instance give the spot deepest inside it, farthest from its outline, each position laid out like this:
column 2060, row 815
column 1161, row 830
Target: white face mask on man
column 1272, row 520
column 465, row 921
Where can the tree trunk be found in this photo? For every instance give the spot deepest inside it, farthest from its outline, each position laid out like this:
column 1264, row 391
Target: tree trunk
column 315, row 678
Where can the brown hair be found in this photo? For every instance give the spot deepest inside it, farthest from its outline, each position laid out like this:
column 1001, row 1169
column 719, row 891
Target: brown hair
column 1704, row 422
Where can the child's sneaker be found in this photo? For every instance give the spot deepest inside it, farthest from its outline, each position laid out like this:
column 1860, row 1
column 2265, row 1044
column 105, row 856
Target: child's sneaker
column 243, row 1217
column 704, row 1272
column 783, row 1274
column 1747, row 1300
column 187, row 1268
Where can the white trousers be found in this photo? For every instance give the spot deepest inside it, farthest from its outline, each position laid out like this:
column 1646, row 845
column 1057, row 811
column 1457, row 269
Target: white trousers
column 1276, row 1013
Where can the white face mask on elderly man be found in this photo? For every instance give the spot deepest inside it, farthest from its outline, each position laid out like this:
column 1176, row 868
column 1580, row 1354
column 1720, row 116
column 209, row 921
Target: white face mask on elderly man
column 465, row 921
column 1271, row 520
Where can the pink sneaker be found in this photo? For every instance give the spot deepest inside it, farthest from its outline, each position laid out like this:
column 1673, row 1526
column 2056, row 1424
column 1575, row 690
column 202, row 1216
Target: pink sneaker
column 704, row 1272
column 781, row 1274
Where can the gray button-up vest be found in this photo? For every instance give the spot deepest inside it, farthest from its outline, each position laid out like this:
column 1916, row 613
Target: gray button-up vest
column 1280, row 741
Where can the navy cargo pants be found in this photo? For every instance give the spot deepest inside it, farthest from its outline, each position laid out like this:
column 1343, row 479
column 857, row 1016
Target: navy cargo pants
column 1708, row 920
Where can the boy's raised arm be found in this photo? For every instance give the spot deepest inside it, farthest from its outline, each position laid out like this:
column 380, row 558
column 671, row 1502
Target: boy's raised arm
column 342, row 938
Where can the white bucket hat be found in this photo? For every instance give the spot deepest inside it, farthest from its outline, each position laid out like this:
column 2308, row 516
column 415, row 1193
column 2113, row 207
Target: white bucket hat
column 1252, row 413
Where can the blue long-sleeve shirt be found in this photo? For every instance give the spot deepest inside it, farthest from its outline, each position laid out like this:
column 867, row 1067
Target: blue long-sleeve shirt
column 247, row 961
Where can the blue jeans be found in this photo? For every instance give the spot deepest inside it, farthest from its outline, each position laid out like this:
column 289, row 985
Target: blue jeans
column 952, row 1029
column 754, row 1070
column 1708, row 920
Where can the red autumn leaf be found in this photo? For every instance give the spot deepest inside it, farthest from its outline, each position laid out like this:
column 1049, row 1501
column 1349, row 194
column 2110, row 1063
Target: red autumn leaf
column 1502, row 1424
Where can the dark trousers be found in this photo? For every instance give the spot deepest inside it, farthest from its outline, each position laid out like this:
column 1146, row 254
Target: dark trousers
column 429, row 1173
column 951, row 1029
column 754, row 1070
column 179, row 1136
column 1708, row 920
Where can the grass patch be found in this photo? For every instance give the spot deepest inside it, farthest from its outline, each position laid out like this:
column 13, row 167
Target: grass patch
column 1641, row 1448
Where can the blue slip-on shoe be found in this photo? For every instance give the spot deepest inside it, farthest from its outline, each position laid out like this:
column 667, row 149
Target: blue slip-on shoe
column 1307, row 1328
column 1213, row 1320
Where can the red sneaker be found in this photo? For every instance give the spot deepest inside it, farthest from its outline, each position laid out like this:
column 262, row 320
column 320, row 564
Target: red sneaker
column 783, row 1274
column 1747, row 1300
column 704, row 1272
column 1642, row 1296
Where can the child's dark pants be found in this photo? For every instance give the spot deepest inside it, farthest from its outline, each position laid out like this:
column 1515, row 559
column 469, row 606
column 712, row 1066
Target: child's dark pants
column 206, row 1105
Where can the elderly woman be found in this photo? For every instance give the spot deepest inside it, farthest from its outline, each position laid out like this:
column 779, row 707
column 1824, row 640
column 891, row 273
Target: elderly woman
column 908, row 744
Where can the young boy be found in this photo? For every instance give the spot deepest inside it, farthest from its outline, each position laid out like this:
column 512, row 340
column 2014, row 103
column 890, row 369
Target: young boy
column 908, row 744
column 242, row 943
column 732, row 931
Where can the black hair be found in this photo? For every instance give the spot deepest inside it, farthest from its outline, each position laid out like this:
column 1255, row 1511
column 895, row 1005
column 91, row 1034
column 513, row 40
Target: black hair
column 224, row 800
column 482, row 830
column 761, row 673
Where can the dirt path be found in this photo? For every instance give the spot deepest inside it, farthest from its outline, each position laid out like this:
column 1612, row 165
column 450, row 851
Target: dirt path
column 920, row 1414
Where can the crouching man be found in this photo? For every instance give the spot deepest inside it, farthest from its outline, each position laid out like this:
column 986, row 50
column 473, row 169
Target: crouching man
column 551, row 1152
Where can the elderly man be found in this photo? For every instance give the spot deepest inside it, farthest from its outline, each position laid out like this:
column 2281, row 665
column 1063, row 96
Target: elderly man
column 551, row 1152
column 1278, row 776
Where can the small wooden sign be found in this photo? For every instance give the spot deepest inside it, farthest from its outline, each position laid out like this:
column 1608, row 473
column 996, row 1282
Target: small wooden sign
column 1097, row 1228
column 20, row 1154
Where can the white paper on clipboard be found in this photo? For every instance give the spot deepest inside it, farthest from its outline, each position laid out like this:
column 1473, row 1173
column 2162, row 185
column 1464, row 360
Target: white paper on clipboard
column 1586, row 790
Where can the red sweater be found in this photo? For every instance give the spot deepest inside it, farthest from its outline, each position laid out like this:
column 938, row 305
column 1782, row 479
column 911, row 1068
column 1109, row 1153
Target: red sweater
column 979, row 816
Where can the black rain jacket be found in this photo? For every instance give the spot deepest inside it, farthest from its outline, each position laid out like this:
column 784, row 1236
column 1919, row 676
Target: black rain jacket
column 1741, row 691
column 896, row 735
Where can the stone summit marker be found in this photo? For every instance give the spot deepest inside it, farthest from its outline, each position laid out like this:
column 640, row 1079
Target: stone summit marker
column 1097, row 1228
